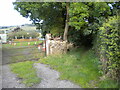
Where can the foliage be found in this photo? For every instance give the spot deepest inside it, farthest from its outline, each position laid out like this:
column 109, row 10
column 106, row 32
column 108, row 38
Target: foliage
column 26, row 72
column 109, row 47
column 116, row 8
column 85, row 19
column 78, row 12
column 87, row 15
column 78, row 38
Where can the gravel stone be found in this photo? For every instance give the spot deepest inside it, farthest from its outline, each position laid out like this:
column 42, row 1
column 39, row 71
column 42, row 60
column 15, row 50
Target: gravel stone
column 50, row 78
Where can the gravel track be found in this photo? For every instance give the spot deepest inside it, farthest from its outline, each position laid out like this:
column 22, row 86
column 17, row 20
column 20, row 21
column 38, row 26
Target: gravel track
column 9, row 80
column 50, row 78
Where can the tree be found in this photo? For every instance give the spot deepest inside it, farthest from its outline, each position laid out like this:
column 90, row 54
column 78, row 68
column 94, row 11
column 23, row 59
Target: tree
column 52, row 14
column 66, row 22
column 86, row 18
column 58, row 17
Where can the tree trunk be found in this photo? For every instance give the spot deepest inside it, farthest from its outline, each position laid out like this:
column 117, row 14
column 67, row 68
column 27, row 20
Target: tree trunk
column 66, row 24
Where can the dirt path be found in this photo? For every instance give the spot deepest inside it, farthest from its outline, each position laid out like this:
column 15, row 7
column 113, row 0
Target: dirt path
column 9, row 80
column 50, row 78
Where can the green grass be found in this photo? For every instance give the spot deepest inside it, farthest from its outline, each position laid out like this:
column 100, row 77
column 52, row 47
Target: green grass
column 26, row 72
column 108, row 83
column 78, row 66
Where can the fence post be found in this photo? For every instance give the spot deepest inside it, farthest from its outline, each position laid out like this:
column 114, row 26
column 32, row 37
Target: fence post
column 47, row 37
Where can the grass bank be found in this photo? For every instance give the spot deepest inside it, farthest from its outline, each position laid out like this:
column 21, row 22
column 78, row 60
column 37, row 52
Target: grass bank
column 80, row 67
column 26, row 72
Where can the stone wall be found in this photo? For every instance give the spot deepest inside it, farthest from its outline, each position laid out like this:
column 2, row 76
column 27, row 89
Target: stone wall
column 54, row 46
column 57, row 47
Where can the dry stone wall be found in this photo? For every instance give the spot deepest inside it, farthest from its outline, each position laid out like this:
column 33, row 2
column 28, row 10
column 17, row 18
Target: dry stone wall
column 55, row 46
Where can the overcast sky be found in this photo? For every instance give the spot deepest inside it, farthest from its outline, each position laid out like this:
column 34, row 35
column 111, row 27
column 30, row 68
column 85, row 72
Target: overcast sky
column 9, row 16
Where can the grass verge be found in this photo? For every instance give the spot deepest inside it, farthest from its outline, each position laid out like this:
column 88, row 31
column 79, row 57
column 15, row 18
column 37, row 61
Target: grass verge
column 26, row 72
column 78, row 66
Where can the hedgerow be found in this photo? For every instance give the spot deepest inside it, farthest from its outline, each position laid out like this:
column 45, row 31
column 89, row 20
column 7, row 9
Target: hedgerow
column 108, row 46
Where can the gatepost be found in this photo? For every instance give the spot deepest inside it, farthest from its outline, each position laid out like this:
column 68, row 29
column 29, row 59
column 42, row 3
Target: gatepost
column 47, row 38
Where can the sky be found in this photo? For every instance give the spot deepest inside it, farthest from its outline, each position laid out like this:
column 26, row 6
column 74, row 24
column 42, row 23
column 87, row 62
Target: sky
column 9, row 16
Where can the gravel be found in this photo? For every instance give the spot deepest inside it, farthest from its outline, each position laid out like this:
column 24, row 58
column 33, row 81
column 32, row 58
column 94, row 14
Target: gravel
column 9, row 80
column 50, row 78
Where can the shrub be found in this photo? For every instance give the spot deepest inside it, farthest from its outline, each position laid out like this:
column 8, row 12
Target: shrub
column 108, row 46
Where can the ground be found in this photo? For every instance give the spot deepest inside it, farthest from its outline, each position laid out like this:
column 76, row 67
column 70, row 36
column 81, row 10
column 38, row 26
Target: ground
column 49, row 77
column 9, row 80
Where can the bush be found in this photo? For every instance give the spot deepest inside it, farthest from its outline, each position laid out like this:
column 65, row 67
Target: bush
column 108, row 46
